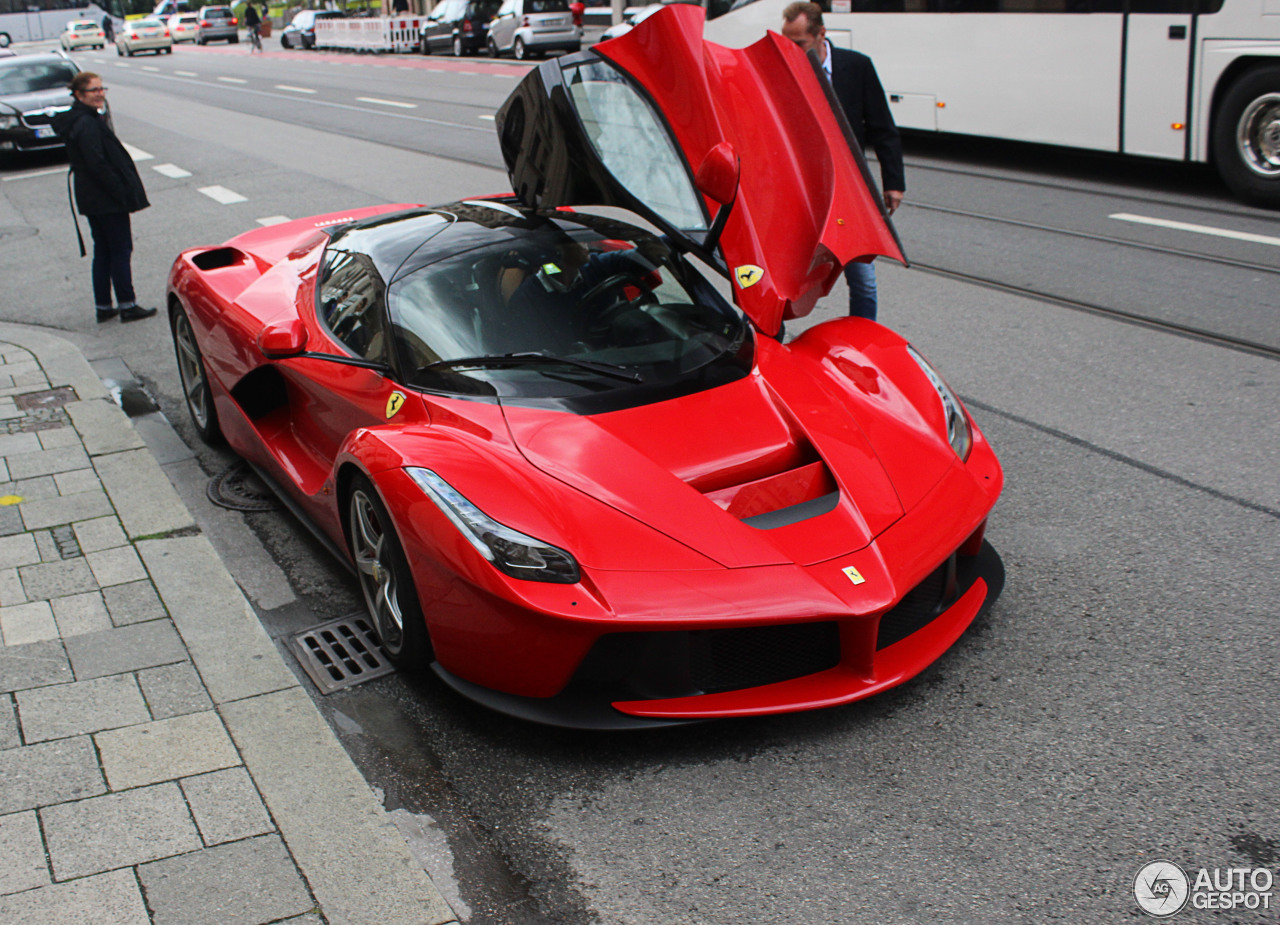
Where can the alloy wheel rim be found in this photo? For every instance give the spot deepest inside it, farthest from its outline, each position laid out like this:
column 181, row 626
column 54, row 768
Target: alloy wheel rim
column 1258, row 135
column 191, row 370
column 372, row 548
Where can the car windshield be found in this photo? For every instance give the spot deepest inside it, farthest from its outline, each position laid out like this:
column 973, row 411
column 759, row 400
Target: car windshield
column 217, row 13
column 548, row 6
column 82, row 26
column 628, row 306
column 32, row 78
column 145, row 24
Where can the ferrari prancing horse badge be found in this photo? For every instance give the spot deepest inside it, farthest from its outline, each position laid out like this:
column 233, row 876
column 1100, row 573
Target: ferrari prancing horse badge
column 394, row 404
column 853, row 574
column 748, row 275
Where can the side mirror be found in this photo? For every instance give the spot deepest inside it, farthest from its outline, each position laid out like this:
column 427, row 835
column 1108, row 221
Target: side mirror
column 283, row 339
column 717, row 175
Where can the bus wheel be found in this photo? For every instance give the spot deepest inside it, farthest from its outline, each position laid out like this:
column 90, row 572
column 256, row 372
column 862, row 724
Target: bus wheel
column 1246, row 137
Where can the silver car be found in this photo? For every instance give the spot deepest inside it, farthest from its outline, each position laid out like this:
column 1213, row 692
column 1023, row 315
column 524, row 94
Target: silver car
column 527, row 28
column 217, row 23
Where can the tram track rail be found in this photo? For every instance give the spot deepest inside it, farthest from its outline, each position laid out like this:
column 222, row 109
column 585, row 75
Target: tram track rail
column 1243, row 345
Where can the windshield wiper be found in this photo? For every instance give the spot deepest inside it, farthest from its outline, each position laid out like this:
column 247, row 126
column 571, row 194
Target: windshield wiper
column 524, row 359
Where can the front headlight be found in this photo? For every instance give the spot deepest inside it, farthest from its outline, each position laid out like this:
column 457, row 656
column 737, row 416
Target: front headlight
column 958, row 433
column 511, row 552
column 8, row 122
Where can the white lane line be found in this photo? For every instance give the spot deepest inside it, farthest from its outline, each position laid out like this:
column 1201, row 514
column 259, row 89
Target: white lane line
column 137, row 153
column 122, row 64
column 504, row 76
column 294, row 89
column 223, row 195
column 148, row 67
column 171, row 170
column 487, row 118
column 186, row 73
column 233, row 80
column 468, row 73
column 1197, row 229
column 34, row 173
column 398, row 105
column 272, row 220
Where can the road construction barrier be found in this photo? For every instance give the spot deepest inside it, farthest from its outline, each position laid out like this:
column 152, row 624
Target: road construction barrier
column 380, row 33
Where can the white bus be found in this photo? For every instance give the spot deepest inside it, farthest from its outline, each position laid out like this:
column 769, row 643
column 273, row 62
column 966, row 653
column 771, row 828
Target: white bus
column 1193, row 80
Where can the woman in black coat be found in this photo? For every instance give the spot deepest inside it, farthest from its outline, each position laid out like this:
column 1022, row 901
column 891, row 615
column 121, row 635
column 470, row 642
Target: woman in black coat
column 108, row 189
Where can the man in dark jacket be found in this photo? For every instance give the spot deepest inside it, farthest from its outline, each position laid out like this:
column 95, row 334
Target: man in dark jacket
column 857, row 87
column 108, row 188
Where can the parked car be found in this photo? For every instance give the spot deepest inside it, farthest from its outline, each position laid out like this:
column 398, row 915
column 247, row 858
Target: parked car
column 570, row 475
column 301, row 31
column 183, row 27
column 144, row 35
column 528, row 28
column 82, row 33
column 33, row 89
column 217, row 24
column 459, row 26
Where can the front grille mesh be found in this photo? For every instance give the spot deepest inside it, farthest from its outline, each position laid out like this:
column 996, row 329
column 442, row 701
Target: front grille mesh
column 916, row 610
column 732, row 659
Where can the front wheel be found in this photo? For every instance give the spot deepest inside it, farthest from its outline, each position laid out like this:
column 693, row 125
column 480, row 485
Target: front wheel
column 194, row 379
column 385, row 579
column 1246, row 137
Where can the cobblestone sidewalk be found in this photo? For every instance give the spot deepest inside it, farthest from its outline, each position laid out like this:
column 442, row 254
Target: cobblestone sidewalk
column 159, row 762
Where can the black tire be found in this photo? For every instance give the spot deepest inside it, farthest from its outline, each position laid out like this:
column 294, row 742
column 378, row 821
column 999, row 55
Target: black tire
column 385, row 578
column 234, row 40
column 200, row 41
column 458, row 50
column 169, row 50
column 519, row 51
column 194, row 378
column 493, row 49
column 119, row 50
column 1246, row 137
column 423, row 45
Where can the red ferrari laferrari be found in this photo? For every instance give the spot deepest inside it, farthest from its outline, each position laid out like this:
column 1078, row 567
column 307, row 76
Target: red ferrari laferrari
column 573, row 478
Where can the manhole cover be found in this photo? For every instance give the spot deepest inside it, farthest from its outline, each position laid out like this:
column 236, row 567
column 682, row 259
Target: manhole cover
column 340, row 654
column 49, row 398
column 237, row 488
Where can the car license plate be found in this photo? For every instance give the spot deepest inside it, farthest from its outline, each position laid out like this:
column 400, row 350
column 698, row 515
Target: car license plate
column 44, row 131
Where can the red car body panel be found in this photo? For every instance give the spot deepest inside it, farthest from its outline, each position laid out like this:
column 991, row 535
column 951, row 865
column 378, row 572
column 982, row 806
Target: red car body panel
column 803, row 209
column 670, row 508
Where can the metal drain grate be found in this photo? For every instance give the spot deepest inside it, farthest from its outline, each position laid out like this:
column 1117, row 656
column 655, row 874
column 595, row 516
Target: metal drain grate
column 340, row 654
column 238, row 488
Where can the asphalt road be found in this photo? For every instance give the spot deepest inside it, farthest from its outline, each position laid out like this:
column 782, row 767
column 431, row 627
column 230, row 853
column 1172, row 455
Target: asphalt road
column 1117, row 706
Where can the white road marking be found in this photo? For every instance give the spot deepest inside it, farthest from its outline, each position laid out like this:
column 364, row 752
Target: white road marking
column 504, row 76
column 374, row 99
column 272, row 220
column 123, row 65
column 186, row 73
column 294, row 89
column 487, row 118
column 34, row 173
column 233, row 80
column 1197, row 229
column 171, row 170
column 137, row 153
column 148, row 67
column 223, row 195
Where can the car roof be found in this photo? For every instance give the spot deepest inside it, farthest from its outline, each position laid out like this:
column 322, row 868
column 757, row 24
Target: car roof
column 39, row 57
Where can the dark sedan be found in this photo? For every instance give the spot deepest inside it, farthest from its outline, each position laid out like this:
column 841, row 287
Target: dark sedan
column 458, row 26
column 301, row 32
column 33, row 89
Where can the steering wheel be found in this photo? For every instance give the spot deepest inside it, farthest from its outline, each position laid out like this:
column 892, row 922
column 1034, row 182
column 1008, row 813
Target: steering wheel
column 618, row 304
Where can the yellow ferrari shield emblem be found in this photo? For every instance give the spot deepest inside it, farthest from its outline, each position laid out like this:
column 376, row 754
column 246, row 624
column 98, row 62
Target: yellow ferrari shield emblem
column 853, row 574
column 748, row 275
column 394, row 404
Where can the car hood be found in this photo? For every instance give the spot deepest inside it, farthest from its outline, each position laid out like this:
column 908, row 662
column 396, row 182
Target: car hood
column 55, row 100
column 788, row 477
column 678, row 129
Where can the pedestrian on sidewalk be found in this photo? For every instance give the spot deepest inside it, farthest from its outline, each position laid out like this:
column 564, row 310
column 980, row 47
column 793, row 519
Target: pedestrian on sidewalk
column 107, row 190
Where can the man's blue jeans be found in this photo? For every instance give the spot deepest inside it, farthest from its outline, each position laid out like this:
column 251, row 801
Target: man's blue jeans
column 862, row 289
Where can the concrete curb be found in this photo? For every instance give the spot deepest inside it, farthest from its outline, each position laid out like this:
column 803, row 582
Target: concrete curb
column 97, row 693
